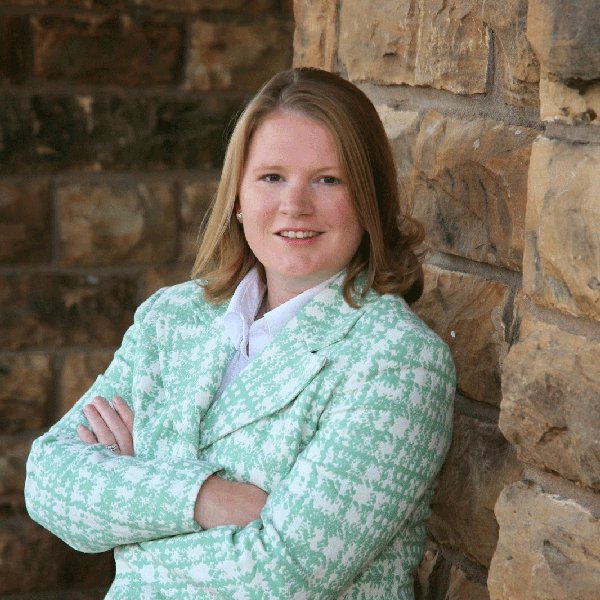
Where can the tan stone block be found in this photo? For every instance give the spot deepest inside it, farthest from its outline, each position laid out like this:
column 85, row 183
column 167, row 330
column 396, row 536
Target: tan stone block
column 32, row 559
column 25, row 389
column 78, row 372
column 453, row 49
column 119, row 50
column 117, row 224
column 469, row 187
column 196, row 200
column 561, row 265
column 53, row 310
column 479, row 464
column 315, row 36
column 14, row 451
column 379, row 44
column 566, row 41
column 550, row 409
column 402, row 128
column 467, row 312
column 416, row 42
column 561, row 103
column 519, row 66
column 237, row 56
column 548, row 548
column 24, row 223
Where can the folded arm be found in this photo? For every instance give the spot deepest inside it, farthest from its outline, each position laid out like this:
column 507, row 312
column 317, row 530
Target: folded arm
column 95, row 500
column 365, row 474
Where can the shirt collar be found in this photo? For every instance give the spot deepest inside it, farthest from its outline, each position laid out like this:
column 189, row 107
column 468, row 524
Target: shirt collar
column 246, row 300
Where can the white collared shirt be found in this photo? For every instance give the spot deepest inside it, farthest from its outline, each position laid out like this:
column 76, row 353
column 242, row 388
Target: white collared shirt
column 250, row 337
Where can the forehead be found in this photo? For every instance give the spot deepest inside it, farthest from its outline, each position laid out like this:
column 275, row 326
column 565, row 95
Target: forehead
column 286, row 133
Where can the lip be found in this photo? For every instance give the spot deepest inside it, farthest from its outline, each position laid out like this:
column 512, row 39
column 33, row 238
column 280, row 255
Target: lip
column 299, row 240
column 298, row 230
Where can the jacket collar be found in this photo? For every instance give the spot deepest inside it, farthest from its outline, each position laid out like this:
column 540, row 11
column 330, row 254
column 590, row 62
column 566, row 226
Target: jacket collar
column 286, row 367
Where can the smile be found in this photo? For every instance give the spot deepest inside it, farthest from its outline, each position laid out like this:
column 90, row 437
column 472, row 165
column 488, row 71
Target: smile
column 299, row 234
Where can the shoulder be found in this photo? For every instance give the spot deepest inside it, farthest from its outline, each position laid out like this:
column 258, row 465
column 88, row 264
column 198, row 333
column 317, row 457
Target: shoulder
column 388, row 326
column 182, row 301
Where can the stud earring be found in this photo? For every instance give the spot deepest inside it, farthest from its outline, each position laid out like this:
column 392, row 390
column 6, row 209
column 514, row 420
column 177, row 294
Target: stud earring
column 239, row 216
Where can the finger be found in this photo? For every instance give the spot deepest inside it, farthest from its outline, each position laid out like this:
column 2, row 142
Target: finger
column 98, row 426
column 85, row 435
column 115, row 423
column 124, row 412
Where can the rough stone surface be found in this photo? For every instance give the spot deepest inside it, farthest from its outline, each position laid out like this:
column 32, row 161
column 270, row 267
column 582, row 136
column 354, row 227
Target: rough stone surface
column 416, row 42
column 469, row 187
column 22, row 542
column 13, row 455
column 53, row 310
column 25, row 390
column 467, row 312
column 438, row 579
column 566, row 41
column 315, row 36
column 549, row 547
column 118, row 50
column 237, row 56
column 91, row 132
column 480, row 463
column 550, row 409
column 520, row 68
column 402, row 128
column 463, row 588
column 561, row 263
column 569, row 105
column 125, row 224
column 196, row 199
column 24, row 220
column 78, row 372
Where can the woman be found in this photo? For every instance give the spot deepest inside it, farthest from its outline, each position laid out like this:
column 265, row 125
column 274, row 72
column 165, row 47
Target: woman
column 276, row 426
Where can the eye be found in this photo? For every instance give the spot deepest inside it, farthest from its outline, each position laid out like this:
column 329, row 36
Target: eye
column 329, row 180
column 271, row 178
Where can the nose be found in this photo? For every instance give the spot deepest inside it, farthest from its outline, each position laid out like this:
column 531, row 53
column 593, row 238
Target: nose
column 296, row 199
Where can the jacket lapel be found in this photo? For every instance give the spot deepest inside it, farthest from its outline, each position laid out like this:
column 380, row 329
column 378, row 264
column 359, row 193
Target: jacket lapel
column 192, row 374
column 288, row 364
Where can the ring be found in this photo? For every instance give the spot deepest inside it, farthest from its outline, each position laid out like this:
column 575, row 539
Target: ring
column 113, row 447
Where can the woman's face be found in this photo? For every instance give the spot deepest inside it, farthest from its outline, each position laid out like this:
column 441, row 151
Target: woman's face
column 298, row 217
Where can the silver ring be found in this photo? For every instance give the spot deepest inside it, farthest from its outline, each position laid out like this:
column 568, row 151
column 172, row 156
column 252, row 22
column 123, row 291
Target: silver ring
column 114, row 448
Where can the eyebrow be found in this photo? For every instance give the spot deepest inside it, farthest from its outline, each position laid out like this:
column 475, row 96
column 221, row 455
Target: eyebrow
column 280, row 167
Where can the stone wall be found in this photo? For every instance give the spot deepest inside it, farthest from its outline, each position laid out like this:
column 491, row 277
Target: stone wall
column 111, row 135
column 492, row 111
column 112, row 120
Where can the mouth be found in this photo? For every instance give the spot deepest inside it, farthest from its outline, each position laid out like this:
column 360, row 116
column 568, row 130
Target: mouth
column 298, row 235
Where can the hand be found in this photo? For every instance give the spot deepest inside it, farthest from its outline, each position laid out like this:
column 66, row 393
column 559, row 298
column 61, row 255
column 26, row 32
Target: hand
column 109, row 424
column 222, row 502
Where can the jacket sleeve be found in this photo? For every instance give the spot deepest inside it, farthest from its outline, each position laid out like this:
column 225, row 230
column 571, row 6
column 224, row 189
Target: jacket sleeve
column 368, row 471
column 72, row 488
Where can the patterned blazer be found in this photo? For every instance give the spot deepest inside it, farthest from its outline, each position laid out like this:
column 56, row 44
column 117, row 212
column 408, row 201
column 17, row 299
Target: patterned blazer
column 344, row 420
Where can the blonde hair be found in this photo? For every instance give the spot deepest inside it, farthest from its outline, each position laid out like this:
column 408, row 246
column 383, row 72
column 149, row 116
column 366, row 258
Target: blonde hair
column 386, row 252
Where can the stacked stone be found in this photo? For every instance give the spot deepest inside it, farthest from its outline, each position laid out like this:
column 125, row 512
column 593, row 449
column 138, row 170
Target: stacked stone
column 491, row 111
column 112, row 120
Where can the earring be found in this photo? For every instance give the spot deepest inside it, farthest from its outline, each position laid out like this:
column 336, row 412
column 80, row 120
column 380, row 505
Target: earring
column 239, row 216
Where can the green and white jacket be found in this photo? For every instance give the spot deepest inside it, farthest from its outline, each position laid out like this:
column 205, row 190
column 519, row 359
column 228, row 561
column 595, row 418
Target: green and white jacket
column 344, row 419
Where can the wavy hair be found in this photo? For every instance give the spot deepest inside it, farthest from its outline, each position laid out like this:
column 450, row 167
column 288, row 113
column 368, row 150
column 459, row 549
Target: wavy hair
column 386, row 253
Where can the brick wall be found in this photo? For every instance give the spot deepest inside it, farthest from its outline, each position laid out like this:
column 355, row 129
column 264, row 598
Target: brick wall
column 112, row 120
column 492, row 112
